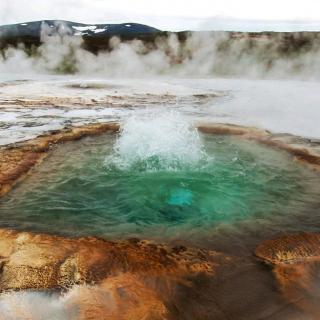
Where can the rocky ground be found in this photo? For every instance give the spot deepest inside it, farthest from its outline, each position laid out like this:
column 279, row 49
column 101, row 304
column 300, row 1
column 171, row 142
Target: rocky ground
column 137, row 279
column 294, row 259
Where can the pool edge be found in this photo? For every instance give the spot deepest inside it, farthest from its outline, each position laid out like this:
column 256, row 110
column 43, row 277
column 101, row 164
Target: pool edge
column 16, row 160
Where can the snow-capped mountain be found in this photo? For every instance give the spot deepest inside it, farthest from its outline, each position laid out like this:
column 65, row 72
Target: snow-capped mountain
column 34, row 29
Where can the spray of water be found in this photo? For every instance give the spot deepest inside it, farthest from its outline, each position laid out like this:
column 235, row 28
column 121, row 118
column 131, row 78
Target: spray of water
column 158, row 142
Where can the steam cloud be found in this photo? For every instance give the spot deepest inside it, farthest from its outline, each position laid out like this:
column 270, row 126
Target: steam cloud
column 202, row 54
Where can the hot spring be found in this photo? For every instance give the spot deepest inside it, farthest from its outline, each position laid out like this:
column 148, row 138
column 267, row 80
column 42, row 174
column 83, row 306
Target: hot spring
column 160, row 178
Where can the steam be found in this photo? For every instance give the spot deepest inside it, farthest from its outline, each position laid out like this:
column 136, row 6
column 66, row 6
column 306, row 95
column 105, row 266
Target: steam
column 33, row 305
column 200, row 54
column 38, row 305
column 153, row 142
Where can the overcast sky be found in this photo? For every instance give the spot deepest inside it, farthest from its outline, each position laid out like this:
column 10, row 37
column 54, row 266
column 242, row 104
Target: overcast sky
column 287, row 15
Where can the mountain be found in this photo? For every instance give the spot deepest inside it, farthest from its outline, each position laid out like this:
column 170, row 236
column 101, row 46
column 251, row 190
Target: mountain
column 33, row 29
column 95, row 36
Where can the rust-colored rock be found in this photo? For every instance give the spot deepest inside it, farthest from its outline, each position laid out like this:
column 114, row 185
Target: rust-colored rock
column 119, row 297
column 290, row 248
column 296, row 265
column 32, row 261
column 105, row 280
column 135, row 279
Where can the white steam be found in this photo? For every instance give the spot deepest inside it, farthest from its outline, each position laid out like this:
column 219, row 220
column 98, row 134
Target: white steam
column 202, row 54
column 38, row 305
column 34, row 305
column 157, row 142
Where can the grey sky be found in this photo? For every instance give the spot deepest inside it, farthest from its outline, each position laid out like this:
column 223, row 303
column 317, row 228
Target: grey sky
column 287, row 15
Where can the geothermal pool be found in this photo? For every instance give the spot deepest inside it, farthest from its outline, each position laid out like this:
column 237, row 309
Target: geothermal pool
column 162, row 179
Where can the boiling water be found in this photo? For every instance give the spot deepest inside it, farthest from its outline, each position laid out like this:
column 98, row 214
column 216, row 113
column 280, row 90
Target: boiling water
column 162, row 179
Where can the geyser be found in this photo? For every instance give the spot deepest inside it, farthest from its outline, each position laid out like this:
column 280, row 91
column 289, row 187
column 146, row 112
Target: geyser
column 158, row 142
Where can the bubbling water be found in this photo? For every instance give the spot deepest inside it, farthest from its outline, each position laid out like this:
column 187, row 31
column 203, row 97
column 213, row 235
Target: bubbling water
column 158, row 142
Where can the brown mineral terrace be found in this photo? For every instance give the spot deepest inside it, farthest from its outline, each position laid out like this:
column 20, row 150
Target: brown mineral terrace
column 295, row 259
column 140, row 279
column 33, row 261
column 118, row 279
column 117, row 101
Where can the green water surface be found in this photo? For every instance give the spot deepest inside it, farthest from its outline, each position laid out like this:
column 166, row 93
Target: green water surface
column 77, row 192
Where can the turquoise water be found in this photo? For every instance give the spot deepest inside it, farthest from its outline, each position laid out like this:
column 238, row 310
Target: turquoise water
column 80, row 190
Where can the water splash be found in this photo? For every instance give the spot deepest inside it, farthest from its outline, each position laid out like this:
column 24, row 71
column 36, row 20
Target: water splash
column 158, row 142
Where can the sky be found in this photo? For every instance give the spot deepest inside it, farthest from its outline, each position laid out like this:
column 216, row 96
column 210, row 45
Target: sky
column 242, row 15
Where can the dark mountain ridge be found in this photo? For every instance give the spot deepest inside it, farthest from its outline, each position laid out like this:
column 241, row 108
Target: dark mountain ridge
column 96, row 36
column 34, row 29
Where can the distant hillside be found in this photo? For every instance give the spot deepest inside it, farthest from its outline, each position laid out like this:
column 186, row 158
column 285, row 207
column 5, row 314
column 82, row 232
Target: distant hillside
column 33, row 29
column 29, row 33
